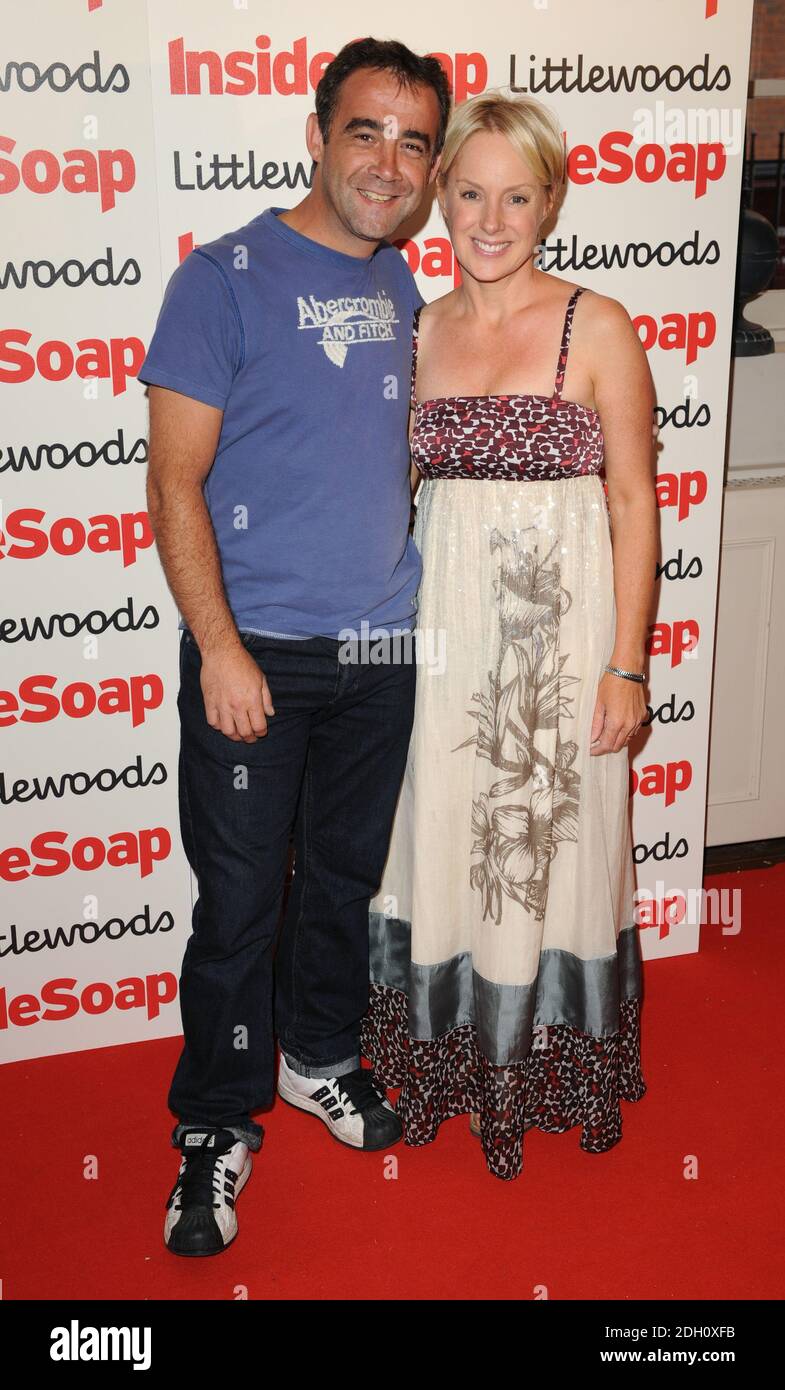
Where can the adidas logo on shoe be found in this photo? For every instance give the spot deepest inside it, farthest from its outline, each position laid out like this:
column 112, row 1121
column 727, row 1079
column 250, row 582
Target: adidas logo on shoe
column 352, row 1107
column 200, row 1210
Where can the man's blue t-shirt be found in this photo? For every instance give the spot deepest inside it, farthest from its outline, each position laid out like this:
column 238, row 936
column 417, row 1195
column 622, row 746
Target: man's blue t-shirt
column 308, row 353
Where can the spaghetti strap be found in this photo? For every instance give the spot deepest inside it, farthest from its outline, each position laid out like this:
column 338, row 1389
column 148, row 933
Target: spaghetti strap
column 565, row 342
column 415, row 326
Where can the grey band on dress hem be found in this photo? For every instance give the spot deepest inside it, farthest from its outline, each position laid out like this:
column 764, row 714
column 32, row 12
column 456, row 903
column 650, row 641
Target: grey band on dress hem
column 584, row 994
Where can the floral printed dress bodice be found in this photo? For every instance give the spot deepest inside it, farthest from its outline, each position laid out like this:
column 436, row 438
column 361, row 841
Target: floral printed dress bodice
column 507, row 436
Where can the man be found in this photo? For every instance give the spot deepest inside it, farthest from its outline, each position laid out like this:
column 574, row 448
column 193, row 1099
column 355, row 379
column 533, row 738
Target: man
column 278, row 492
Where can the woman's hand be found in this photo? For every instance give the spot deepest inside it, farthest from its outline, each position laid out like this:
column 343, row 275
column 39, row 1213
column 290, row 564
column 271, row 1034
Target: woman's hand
column 618, row 714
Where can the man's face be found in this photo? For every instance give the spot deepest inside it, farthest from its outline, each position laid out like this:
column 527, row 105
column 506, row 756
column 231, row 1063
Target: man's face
column 377, row 162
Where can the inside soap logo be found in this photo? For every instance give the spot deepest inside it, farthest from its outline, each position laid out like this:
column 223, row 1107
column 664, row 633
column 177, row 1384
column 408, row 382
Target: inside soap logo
column 344, row 322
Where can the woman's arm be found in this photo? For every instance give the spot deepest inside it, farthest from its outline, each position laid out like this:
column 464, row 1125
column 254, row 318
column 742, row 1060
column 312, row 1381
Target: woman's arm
column 624, row 393
column 414, row 472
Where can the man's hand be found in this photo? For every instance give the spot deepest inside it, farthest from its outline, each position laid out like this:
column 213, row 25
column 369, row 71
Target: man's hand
column 237, row 698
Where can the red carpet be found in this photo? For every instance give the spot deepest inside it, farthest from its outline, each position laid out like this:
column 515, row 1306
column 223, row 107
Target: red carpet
column 318, row 1221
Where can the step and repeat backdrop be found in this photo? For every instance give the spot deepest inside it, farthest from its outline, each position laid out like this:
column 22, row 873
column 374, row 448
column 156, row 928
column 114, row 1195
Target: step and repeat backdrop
column 131, row 133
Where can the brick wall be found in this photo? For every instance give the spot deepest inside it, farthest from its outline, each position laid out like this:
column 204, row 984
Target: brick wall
column 766, row 115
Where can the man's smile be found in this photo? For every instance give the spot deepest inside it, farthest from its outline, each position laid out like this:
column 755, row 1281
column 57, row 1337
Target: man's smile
column 376, row 197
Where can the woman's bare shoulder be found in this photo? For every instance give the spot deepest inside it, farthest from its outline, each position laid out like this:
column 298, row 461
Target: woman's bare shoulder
column 604, row 316
column 611, row 347
column 437, row 309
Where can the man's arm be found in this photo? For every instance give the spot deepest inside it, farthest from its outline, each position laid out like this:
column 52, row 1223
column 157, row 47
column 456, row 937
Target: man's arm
column 183, row 439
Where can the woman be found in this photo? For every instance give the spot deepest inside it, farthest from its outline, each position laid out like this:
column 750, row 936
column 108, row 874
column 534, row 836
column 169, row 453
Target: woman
column 506, row 975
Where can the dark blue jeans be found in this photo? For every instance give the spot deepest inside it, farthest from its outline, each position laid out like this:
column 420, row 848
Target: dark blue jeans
column 329, row 768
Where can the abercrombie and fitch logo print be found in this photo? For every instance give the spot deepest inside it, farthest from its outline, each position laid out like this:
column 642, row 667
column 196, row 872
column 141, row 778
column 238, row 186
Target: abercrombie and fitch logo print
column 343, row 323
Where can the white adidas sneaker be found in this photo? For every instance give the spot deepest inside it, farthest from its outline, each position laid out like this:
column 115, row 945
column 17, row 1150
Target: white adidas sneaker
column 352, row 1106
column 200, row 1211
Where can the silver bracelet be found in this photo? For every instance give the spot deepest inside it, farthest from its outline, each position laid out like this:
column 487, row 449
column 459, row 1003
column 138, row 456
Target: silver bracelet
column 628, row 675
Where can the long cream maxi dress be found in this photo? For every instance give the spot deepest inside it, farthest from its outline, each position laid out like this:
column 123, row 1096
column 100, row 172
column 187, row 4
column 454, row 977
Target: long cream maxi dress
column 505, row 964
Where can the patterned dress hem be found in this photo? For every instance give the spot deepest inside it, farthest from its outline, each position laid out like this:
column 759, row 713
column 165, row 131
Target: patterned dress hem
column 569, row 1078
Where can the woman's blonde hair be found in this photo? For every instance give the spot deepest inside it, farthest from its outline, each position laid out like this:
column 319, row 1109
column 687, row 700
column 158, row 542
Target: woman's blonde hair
column 531, row 128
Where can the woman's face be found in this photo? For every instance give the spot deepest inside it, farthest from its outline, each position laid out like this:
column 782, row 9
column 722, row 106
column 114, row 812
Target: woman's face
column 493, row 207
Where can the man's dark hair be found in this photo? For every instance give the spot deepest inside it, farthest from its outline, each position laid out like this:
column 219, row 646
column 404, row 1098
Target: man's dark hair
column 384, row 55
